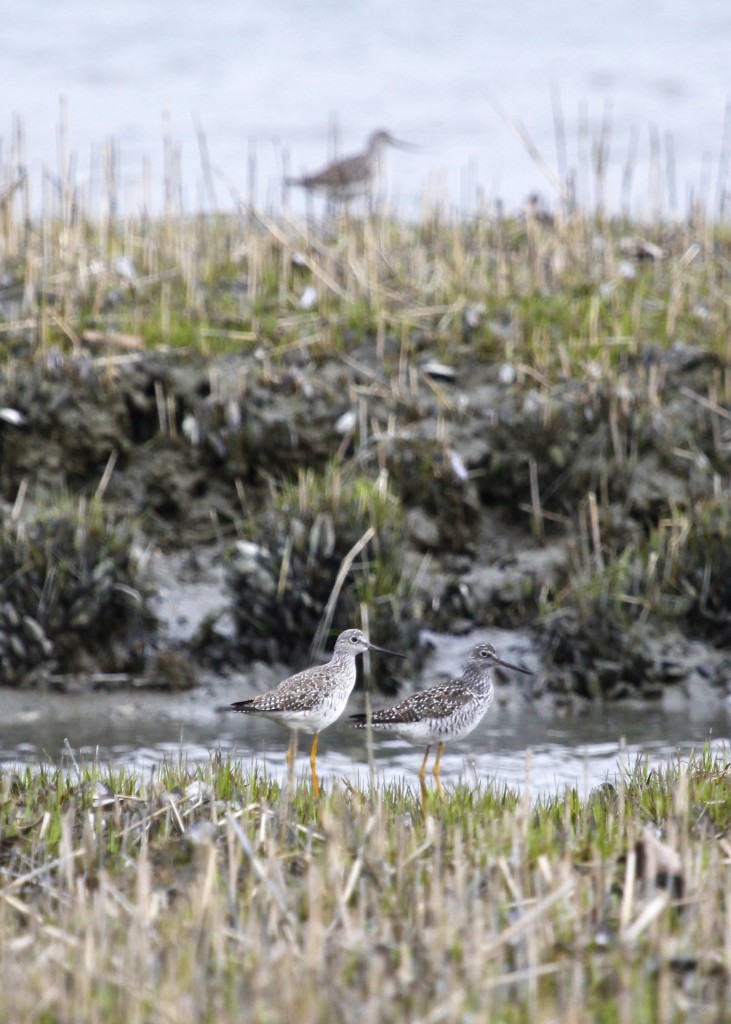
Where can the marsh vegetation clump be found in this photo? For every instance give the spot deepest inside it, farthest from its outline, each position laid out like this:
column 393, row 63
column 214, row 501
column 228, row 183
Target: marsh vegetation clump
column 608, row 632
column 434, row 484
column 327, row 550
column 72, row 602
column 697, row 566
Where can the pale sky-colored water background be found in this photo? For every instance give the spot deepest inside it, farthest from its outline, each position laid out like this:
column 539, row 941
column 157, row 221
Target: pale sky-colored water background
column 272, row 79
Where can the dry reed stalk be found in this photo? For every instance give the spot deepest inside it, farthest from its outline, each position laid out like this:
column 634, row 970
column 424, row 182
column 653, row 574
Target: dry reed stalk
column 113, row 339
column 596, row 539
column 161, row 404
column 329, row 611
column 106, row 476
column 536, row 509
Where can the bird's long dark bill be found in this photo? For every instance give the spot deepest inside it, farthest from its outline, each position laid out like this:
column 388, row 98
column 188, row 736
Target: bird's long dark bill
column 515, row 668
column 385, row 650
column 400, row 144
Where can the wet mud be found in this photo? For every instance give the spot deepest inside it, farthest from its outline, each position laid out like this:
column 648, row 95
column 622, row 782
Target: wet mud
column 166, row 513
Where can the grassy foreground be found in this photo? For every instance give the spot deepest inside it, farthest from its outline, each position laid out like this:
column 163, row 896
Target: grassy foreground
column 207, row 894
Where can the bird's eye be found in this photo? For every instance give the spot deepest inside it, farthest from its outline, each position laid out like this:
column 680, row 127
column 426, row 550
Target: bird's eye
column 354, row 639
column 484, row 654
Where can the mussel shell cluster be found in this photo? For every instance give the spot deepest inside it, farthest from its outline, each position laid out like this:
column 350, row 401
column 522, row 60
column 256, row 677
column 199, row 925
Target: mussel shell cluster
column 26, row 653
column 69, row 601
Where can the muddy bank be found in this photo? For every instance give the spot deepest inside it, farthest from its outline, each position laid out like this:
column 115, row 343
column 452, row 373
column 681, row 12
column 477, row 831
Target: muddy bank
column 448, row 497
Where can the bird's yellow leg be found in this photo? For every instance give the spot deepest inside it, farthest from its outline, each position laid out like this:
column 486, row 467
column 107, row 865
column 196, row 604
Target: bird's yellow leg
column 440, row 751
column 422, row 770
column 313, row 766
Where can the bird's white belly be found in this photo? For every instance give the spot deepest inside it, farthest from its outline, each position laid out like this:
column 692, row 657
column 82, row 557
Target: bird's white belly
column 311, row 719
column 435, row 730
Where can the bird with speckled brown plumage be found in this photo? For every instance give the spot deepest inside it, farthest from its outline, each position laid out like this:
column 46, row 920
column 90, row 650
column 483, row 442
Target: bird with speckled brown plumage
column 313, row 699
column 443, row 713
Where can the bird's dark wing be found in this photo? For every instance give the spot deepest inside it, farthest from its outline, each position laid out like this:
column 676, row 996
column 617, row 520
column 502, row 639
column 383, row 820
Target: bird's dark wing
column 299, row 692
column 438, row 702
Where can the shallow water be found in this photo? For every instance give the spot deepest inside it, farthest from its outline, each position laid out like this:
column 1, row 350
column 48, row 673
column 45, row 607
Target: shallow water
column 271, row 79
column 519, row 742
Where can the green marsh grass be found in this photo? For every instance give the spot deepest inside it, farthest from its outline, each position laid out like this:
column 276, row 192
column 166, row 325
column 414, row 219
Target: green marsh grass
column 205, row 892
column 677, row 572
column 580, row 288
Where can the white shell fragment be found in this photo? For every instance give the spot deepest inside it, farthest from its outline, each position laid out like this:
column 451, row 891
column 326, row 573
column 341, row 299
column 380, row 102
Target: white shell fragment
column 440, row 371
column 474, row 315
column 457, row 465
column 308, row 298
column 12, row 416
column 345, row 423
column 507, row 374
column 191, row 428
